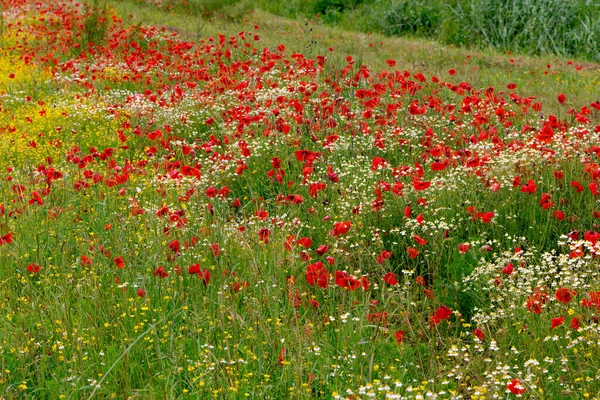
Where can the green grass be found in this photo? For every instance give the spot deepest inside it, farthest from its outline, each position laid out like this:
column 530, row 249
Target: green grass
column 569, row 29
column 534, row 76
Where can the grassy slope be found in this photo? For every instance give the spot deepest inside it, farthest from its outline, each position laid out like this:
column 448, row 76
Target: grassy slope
column 541, row 77
column 68, row 329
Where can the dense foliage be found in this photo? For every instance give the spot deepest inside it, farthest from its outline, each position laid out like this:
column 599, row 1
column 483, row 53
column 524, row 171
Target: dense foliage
column 565, row 28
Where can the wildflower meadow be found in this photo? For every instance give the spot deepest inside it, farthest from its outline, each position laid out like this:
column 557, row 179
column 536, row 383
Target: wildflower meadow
column 194, row 215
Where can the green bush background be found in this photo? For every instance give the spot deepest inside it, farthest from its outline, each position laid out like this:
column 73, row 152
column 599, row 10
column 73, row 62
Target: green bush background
column 566, row 28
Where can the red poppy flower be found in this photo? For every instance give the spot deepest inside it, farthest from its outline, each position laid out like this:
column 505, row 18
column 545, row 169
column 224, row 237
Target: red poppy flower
column 289, row 242
column 559, row 215
column 420, row 219
column 341, row 228
column 322, row 249
column 593, row 301
column 479, row 334
column 577, row 186
column 317, row 274
column 33, row 268
column 315, row 188
column 261, row 214
column 529, row 187
column 36, row 199
column 451, row 71
column 211, row 192
column 412, row 252
column 160, row 272
column 378, row 162
column 419, row 240
column 365, row 283
column 119, row 262
column 276, row 162
column 558, row 321
column 516, row 387
column 438, row 166
column 420, row 77
column 536, row 300
column 576, row 253
column 194, row 269
column 508, row 269
column 384, row 255
column 306, row 155
column 332, row 176
column 399, row 335
column 390, row 279
column 224, row 191
column 463, row 248
column 263, row 235
column 141, row 292
column 420, row 281
column 565, row 295
column 486, row 217
column 420, row 185
column 305, row 242
column 561, row 98
column 346, row 281
column 174, row 246
column 443, row 312
column 204, row 276
column 546, row 134
column 6, row 239
column 433, row 321
column 592, row 237
column 575, row 323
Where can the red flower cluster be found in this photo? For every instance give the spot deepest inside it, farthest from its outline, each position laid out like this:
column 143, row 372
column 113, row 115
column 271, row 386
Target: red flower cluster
column 441, row 314
column 537, row 300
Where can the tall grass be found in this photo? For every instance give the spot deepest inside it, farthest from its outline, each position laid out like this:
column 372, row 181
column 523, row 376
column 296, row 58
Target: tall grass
column 566, row 28
column 570, row 28
column 95, row 23
column 537, row 27
column 533, row 26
